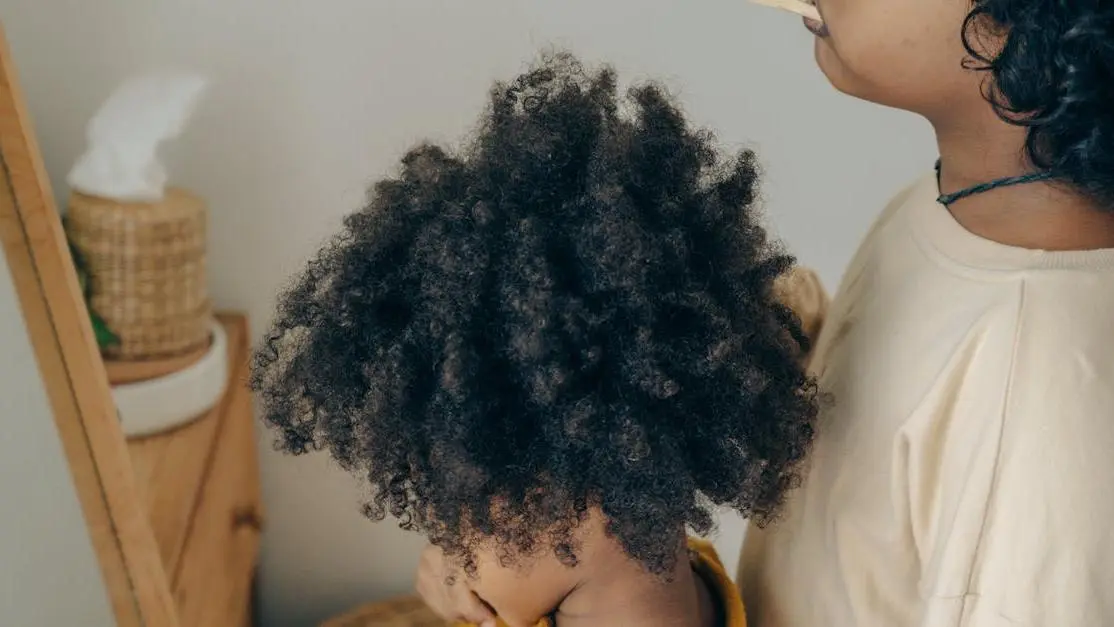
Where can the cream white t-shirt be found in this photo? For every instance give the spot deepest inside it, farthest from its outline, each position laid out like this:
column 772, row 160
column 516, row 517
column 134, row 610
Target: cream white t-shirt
column 963, row 474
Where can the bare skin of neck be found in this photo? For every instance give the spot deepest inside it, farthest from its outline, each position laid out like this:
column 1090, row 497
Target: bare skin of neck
column 1042, row 216
column 617, row 592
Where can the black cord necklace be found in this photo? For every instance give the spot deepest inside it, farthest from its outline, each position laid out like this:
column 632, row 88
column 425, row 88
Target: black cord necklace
column 948, row 199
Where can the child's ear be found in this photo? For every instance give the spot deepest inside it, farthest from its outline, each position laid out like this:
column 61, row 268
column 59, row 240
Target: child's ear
column 524, row 593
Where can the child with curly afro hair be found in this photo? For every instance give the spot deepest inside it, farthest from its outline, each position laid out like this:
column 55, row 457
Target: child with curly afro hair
column 555, row 351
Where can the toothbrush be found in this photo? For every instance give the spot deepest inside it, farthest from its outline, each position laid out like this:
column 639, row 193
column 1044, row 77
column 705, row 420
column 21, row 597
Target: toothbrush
column 800, row 7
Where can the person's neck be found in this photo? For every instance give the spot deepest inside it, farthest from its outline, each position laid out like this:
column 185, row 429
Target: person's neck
column 622, row 594
column 1043, row 215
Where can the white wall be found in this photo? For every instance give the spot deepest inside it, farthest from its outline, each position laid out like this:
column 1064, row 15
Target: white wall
column 314, row 99
column 48, row 570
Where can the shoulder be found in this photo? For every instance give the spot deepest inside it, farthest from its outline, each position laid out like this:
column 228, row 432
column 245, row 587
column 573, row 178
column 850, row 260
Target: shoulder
column 1053, row 428
column 1038, row 353
column 1060, row 397
column 1029, row 515
column 1046, row 549
column 1064, row 339
column 1027, row 394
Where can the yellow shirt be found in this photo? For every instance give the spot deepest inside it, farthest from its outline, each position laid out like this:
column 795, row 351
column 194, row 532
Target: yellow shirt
column 707, row 564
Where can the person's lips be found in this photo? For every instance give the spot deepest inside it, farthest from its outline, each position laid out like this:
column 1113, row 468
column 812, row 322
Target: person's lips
column 818, row 28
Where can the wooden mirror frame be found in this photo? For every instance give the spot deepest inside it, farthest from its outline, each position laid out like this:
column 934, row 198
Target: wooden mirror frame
column 73, row 373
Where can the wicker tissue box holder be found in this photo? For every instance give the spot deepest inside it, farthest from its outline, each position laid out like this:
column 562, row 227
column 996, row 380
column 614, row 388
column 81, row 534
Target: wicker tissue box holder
column 146, row 263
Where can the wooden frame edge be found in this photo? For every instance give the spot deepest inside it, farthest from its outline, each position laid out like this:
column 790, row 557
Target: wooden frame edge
column 74, row 374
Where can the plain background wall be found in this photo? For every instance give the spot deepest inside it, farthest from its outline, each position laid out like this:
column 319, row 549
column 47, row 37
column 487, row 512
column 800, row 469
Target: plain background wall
column 312, row 100
column 48, row 570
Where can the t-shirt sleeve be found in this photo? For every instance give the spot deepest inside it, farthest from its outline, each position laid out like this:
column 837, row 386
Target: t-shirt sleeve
column 1042, row 553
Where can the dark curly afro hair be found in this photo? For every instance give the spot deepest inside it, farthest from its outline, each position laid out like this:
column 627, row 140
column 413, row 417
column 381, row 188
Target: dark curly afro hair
column 1054, row 74
column 574, row 313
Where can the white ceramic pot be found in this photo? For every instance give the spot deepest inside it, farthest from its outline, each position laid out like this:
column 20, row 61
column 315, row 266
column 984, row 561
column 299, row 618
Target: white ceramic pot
column 173, row 400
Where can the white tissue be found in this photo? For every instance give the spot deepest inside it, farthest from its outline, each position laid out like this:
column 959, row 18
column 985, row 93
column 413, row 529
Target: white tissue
column 121, row 161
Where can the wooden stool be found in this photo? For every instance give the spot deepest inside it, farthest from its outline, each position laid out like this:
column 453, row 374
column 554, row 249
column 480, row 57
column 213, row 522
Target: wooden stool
column 403, row 612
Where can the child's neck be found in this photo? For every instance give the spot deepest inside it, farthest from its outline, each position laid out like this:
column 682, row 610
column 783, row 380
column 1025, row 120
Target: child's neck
column 619, row 593
column 1045, row 215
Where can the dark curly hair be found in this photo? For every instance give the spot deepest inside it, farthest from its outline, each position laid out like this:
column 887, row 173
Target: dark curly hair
column 574, row 313
column 1054, row 74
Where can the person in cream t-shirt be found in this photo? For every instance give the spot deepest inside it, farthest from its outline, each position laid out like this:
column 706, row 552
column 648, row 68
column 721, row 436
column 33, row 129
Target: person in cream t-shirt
column 962, row 469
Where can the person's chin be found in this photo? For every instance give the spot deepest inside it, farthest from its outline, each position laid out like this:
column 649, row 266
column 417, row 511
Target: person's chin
column 829, row 63
column 848, row 83
column 862, row 82
column 836, row 71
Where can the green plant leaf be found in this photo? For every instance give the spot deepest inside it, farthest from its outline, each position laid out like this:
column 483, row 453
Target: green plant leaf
column 105, row 336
